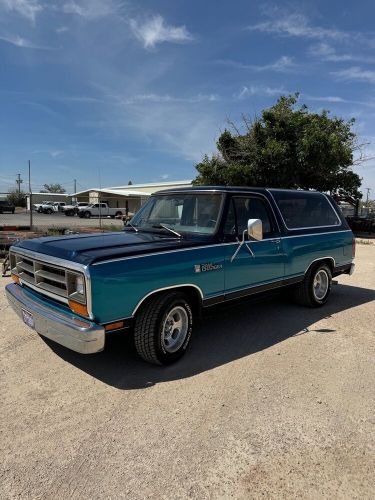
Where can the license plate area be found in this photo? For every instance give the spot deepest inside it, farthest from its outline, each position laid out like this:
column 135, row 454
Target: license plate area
column 28, row 318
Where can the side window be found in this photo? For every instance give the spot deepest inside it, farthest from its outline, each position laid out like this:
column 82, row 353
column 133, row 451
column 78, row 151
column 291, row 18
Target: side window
column 230, row 226
column 301, row 209
column 244, row 208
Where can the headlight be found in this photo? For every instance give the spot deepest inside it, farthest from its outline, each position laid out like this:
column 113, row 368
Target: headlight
column 80, row 285
column 76, row 287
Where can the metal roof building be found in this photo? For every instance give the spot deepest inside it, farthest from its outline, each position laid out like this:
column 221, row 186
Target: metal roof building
column 130, row 197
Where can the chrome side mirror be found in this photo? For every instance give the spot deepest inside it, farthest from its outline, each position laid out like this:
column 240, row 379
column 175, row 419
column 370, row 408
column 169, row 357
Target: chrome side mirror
column 255, row 229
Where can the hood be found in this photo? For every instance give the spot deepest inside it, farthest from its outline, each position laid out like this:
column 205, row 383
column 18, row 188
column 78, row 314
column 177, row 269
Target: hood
column 89, row 248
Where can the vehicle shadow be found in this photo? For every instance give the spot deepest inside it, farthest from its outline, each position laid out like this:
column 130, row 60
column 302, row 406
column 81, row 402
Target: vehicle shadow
column 222, row 336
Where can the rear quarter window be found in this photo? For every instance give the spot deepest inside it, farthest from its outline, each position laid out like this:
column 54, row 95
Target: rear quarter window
column 302, row 209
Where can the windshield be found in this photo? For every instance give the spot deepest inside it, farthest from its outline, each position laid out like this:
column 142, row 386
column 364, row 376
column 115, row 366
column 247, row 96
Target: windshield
column 185, row 213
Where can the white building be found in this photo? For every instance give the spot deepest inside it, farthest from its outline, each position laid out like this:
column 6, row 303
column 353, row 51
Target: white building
column 130, row 197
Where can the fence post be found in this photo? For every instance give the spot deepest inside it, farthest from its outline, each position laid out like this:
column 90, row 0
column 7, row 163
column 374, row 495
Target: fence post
column 100, row 213
column 31, row 210
column 30, row 199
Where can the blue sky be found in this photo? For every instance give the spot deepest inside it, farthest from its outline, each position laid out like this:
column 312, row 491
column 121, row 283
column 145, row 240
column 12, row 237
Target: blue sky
column 107, row 90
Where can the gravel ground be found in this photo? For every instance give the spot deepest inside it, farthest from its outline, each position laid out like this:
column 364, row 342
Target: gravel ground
column 272, row 401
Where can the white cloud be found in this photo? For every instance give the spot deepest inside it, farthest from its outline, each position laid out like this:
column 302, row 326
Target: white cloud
column 326, row 52
column 259, row 90
column 164, row 177
column 284, row 63
column 355, row 73
column 62, row 29
column 26, row 8
column 90, row 9
column 172, row 125
column 20, row 42
column 166, row 98
column 328, row 98
column 155, row 30
column 56, row 154
column 296, row 25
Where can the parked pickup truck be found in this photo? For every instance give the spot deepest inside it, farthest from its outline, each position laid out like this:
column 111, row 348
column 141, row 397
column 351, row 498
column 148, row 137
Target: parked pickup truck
column 49, row 208
column 184, row 251
column 100, row 210
column 39, row 206
column 71, row 210
column 5, row 206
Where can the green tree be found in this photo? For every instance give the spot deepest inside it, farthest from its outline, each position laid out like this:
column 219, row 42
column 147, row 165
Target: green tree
column 53, row 188
column 287, row 147
column 16, row 198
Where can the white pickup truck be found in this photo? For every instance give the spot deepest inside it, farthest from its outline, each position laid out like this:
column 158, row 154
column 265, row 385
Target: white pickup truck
column 100, row 210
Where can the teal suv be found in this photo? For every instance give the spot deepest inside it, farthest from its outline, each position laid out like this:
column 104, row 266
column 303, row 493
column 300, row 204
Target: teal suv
column 184, row 251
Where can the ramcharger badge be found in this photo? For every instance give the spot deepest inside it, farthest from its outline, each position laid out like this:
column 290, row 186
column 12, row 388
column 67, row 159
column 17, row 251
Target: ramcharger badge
column 201, row 268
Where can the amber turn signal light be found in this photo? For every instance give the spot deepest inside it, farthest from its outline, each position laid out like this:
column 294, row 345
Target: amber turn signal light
column 15, row 278
column 78, row 308
column 114, row 326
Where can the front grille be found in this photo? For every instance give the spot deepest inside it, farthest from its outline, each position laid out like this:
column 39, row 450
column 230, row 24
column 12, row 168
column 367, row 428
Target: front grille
column 46, row 277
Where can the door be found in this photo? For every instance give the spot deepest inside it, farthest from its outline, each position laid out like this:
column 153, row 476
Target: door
column 257, row 265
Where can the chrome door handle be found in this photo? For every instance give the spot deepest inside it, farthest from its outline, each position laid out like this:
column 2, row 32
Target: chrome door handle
column 276, row 241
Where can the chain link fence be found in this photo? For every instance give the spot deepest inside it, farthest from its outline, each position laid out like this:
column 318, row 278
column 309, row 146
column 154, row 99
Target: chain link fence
column 50, row 216
column 54, row 218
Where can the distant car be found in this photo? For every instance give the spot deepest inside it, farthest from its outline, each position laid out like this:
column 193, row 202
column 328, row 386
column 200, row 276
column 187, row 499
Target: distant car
column 39, row 206
column 46, row 208
column 58, row 206
column 5, row 206
column 71, row 210
column 51, row 206
column 100, row 210
column 36, row 206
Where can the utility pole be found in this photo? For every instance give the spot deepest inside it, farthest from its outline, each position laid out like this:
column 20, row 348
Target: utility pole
column 18, row 182
column 75, row 186
column 30, row 199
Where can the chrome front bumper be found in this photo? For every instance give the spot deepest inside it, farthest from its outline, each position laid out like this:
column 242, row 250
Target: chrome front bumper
column 65, row 328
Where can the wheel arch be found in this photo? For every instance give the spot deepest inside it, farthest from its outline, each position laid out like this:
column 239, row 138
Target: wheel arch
column 330, row 261
column 192, row 291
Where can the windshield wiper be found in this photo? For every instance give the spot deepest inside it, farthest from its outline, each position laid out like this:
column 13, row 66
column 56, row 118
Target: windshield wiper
column 133, row 227
column 163, row 226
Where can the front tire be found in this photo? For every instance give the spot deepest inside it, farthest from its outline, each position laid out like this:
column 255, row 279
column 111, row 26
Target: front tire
column 87, row 215
column 316, row 286
column 163, row 328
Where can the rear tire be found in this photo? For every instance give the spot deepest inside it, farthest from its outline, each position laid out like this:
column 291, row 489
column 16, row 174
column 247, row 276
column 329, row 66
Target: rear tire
column 316, row 286
column 163, row 328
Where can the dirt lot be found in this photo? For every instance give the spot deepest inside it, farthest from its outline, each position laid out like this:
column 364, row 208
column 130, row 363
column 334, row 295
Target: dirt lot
column 272, row 401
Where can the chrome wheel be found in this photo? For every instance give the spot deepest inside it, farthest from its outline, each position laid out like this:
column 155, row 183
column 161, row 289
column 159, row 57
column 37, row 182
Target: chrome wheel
column 175, row 329
column 321, row 284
